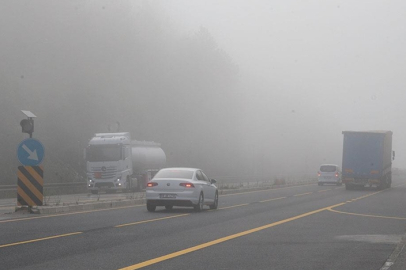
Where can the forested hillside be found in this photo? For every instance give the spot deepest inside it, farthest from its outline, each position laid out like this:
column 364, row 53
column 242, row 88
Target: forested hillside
column 86, row 67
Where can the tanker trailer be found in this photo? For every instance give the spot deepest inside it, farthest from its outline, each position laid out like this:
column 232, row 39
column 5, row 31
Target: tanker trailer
column 148, row 158
column 114, row 162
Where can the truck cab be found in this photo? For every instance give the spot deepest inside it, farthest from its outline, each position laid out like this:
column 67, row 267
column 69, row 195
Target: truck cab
column 108, row 162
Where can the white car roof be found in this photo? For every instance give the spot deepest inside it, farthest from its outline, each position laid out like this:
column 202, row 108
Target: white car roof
column 181, row 168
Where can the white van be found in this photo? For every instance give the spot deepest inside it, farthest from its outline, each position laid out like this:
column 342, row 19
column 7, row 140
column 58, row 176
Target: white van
column 329, row 174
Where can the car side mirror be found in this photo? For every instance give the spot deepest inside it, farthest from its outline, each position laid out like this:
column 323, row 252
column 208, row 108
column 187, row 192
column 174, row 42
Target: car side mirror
column 213, row 181
column 393, row 155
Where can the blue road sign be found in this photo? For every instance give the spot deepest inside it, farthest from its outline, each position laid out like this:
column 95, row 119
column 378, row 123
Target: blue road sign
column 30, row 152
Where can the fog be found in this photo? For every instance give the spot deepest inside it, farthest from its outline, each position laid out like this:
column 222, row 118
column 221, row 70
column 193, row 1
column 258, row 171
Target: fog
column 311, row 69
column 253, row 88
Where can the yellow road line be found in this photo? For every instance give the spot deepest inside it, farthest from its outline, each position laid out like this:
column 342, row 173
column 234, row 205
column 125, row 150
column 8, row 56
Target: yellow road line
column 324, row 190
column 263, row 190
column 273, row 199
column 238, row 205
column 40, row 239
column 150, row 220
column 168, row 217
column 365, row 215
column 72, row 213
column 370, row 194
column 230, row 237
column 221, row 240
column 75, row 233
column 302, row 194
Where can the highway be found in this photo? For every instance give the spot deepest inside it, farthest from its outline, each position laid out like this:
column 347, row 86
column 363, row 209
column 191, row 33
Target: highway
column 302, row 227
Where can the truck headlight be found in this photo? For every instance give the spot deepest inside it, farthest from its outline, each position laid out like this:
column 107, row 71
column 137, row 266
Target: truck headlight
column 118, row 179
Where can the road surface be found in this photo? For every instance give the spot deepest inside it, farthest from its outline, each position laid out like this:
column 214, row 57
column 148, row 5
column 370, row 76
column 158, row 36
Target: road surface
column 303, row 227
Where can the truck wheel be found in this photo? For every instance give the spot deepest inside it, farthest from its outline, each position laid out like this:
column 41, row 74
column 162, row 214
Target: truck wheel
column 127, row 185
column 382, row 185
column 150, row 207
column 139, row 187
column 348, row 186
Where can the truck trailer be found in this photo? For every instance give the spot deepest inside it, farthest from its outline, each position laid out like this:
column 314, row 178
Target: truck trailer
column 367, row 159
column 115, row 162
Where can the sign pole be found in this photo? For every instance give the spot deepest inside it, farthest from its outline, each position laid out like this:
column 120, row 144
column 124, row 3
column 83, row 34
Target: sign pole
column 30, row 153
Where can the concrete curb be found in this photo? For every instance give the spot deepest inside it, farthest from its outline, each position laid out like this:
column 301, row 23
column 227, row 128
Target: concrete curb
column 397, row 260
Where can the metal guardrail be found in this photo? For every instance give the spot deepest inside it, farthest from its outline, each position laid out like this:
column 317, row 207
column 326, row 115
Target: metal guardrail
column 223, row 182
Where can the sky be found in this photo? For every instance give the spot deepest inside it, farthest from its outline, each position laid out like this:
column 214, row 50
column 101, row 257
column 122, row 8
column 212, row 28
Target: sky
column 321, row 67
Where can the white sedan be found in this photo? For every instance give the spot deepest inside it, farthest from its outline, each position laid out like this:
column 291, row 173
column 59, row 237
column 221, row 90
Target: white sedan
column 181, row 187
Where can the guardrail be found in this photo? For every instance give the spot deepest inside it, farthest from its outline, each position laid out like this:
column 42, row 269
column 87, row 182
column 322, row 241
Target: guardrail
column 10, row 191
column 49, row 185
column 223, row 183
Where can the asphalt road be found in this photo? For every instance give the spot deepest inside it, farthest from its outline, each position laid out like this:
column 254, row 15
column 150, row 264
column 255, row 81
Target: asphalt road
column 304, row 227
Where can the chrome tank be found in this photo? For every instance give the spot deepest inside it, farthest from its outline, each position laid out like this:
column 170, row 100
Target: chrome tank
column 147, row 156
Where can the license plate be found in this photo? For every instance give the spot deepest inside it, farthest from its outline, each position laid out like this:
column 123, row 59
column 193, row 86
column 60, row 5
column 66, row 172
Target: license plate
column 166, row 196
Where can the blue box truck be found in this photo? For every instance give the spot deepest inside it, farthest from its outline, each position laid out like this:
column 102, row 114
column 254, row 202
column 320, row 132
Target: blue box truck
column 367, row 159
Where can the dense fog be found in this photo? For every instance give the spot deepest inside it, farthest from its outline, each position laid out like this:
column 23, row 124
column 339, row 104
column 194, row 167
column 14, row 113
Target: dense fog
column 237, row 88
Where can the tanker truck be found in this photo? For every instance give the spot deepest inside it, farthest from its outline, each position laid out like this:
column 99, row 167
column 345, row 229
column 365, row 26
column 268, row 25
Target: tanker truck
column 115, row 162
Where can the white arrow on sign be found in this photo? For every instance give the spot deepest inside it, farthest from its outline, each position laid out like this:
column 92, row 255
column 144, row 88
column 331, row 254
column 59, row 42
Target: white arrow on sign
column 32, row 154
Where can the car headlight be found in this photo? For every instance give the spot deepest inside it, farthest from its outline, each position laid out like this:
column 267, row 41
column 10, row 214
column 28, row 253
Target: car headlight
column 91, row 180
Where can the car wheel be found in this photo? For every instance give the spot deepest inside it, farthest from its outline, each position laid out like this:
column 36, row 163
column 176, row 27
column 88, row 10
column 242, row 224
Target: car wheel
column 150, row 207
column 94, row 191
column 216, row 202
column 199, row 206
column 348, row 187
column 168, row 207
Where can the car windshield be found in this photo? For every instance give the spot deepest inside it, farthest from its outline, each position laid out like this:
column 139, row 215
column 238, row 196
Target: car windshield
column 328, row 168
column 184, row 174
column 98, row 153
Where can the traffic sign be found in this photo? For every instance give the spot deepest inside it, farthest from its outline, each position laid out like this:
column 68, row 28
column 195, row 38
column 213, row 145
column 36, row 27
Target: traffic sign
column 30, row 152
